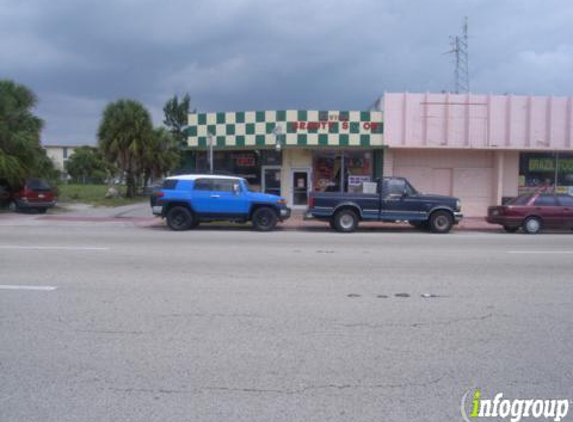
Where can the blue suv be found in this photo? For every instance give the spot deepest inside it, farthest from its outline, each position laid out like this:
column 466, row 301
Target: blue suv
column 186, row 200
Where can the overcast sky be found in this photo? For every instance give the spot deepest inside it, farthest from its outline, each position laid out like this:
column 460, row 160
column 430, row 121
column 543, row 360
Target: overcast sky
column 264, row 54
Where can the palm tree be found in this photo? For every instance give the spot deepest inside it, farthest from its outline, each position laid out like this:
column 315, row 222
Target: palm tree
column 124, row 134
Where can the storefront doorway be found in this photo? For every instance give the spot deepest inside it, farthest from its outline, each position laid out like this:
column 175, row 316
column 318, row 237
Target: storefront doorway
column 271, row 178
column 300, row 186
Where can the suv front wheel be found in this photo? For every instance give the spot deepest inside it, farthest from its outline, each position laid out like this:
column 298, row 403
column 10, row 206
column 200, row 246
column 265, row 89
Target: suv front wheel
column 264, row 219
column 180, row 218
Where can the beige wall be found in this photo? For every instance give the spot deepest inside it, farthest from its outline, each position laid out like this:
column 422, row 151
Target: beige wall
column 293, row 158
column 473, row 176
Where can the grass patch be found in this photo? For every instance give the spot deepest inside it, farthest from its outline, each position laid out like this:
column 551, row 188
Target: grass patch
column 95, row 195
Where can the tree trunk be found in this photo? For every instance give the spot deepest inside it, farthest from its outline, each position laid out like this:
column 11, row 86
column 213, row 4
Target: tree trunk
column 130, row 184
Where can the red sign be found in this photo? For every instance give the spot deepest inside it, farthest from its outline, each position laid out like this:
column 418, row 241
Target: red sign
column 330, row 125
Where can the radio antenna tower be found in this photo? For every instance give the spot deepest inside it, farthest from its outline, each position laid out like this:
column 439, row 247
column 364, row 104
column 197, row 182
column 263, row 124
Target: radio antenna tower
column 459, row 48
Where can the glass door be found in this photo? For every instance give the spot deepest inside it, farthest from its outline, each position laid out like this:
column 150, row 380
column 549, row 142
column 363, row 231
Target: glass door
column 272, row 180
column 300, row 186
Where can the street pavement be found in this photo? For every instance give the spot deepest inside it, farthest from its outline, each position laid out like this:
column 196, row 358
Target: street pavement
column 138, row 323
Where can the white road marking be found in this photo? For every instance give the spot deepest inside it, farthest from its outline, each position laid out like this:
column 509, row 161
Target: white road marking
column 19, row 287
column 541, row 252
column 63, row 248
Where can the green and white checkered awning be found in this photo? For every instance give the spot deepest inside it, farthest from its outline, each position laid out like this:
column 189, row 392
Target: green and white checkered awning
column 294, row 128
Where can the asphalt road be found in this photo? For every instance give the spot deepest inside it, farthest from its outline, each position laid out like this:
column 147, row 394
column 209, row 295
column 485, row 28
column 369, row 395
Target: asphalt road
column 148, row 325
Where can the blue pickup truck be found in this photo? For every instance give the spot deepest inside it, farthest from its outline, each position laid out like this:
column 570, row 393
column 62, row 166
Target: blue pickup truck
column 186, row 200
column 395, row 200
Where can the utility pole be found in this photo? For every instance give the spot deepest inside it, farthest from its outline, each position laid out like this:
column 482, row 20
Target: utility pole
column 459, row 48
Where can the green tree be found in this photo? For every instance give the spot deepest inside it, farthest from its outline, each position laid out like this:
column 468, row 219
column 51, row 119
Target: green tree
column 176, row 118
column 21, row 154
column 88, row 165
column 161, row 155
column 124, row 134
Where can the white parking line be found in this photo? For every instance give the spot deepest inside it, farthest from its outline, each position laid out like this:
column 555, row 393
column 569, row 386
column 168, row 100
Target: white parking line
column 541, row 252
column 17, row 287
column 64, row 248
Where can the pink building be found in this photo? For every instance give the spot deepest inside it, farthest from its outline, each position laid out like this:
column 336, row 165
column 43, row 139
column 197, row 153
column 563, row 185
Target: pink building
column 481, row 148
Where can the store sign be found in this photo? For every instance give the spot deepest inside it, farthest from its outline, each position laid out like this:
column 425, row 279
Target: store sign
column 332, row 125
column 548, row 164
column 244, row 160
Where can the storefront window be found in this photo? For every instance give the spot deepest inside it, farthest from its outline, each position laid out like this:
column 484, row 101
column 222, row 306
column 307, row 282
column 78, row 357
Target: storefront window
column 546, row 170
column 336, row 171
column 248, row 164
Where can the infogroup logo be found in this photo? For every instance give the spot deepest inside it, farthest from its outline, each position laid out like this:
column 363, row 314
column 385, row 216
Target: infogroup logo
column 514, row 409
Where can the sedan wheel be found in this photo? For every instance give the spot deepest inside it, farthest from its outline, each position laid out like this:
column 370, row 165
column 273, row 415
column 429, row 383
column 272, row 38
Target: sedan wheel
column 532, row 225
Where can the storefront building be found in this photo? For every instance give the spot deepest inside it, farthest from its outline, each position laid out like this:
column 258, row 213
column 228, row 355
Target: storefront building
column 291, row 152
column 480, row 148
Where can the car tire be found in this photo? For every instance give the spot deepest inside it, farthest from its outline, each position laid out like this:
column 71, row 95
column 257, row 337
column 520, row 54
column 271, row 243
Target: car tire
column 441, row 222
column 180, row 218
column 264, row 219
column 510, row 229
column 13, row 206
column 345, row 221
column 532, row 225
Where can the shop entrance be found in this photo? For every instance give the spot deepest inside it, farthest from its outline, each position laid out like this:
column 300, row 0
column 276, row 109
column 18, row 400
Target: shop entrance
column 271, row 180
column 300, row 184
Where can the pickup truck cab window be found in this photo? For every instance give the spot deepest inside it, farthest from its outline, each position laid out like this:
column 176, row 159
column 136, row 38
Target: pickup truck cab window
column 397, row 187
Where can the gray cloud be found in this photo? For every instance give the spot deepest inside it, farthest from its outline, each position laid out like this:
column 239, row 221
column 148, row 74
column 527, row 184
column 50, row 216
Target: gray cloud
column 267, row 54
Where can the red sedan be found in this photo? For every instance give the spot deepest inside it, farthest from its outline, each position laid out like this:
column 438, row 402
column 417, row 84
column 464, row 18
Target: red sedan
column 534, row 212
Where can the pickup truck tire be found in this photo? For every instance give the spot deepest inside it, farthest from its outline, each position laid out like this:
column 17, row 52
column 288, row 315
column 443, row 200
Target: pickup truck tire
column 345, row 221
column 441, row 222
column 264, row 219
column 180, row 218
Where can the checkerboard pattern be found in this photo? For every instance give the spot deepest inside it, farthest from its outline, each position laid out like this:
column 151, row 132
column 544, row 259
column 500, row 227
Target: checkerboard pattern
column 362, row 129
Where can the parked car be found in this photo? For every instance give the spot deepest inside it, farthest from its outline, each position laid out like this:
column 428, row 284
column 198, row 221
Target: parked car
column 395, row 200
column 187, row 200
column 31, row 194
column 534, row 212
